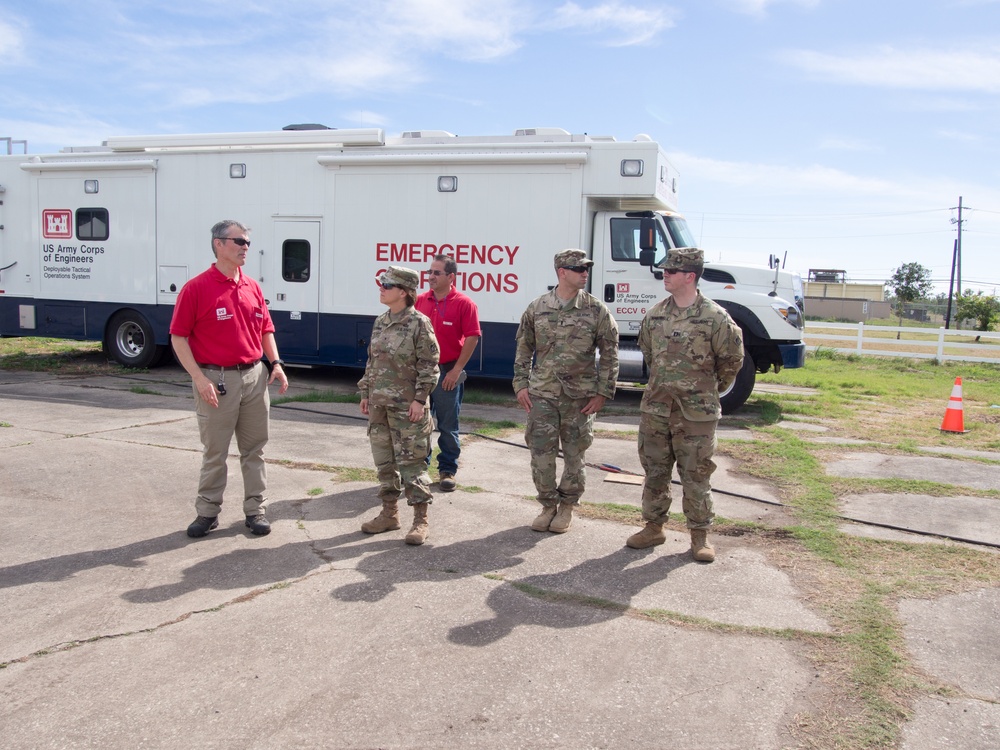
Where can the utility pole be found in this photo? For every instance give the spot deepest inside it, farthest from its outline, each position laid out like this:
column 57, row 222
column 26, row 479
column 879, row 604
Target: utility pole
column 958, row 246
column 951, row 285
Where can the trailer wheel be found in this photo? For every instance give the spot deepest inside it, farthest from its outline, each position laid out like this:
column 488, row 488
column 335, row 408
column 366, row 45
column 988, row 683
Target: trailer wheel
column 129, row 340
column 737, row 394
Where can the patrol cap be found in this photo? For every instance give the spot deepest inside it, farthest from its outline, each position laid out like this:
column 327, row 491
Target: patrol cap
column 689, row 259
column 404, row 277
column 572, row 257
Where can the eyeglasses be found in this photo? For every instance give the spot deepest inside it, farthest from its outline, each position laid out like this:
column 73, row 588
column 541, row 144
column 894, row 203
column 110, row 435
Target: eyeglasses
column 386, row 286
column 437, row 273
column 672, row 271
column 578, row 269
column 238, row 240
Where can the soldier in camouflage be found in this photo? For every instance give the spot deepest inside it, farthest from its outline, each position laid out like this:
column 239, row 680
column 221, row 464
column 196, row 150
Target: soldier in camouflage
column 694, row 350
column 401, row 372
column 564, row 388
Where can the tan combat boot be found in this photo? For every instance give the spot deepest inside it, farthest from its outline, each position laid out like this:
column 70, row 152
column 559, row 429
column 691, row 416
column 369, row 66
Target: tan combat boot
column 648, row 537
column 541, row 523
column 387, row 520
column 701, row 550
column 418, row 532
column 564, row 518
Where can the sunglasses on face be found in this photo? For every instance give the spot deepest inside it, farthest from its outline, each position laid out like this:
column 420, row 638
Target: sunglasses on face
column 437, row 273
column 672, row 271
column 386, row 286
column 578, row 269
column 238, row 240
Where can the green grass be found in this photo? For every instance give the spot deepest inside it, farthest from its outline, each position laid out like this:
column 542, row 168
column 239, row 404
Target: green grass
column 318, row 397
column 58, row 356
column 487, row 428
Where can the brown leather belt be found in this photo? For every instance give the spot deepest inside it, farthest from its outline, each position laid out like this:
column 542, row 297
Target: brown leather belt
column 240, row 366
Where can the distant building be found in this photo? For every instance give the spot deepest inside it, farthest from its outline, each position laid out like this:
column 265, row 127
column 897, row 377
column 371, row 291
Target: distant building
column 829, row 295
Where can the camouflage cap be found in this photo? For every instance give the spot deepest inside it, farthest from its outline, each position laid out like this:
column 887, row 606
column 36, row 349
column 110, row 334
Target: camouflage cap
column 404, row 277
column 572, row 257
column 685, row 258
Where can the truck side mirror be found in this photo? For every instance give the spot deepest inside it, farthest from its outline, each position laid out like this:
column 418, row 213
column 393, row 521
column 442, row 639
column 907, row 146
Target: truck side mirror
column 647, row 235
column 647, row 257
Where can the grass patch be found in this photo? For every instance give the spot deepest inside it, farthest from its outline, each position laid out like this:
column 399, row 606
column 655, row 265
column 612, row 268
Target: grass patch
column 58, row 356
column 318, row 397
column 493, row 429
column 353, row 474
column 314, row 491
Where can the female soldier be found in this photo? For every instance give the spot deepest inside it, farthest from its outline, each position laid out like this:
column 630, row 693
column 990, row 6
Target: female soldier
column 401, row 372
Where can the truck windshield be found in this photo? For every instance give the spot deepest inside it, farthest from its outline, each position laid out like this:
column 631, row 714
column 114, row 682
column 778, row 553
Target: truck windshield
column 680, row 233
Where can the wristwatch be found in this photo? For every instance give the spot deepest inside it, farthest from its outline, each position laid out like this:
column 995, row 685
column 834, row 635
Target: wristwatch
column 277, row 362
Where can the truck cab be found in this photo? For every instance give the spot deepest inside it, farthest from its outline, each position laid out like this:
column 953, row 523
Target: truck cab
column 760, row 300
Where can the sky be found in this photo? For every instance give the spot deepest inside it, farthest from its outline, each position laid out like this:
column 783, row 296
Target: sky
column 835, row 134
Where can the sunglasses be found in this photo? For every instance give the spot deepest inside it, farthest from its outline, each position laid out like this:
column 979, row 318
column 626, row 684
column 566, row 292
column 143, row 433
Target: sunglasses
column 578, row 269
column 238, row 240
column 437, row 273
column 386, row 286
column 672, row 271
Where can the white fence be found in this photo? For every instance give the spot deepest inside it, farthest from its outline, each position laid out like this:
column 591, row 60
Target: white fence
column 917, row 343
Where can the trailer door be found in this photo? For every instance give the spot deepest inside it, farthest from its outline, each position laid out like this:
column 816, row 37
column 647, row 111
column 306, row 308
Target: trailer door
column 292, row 287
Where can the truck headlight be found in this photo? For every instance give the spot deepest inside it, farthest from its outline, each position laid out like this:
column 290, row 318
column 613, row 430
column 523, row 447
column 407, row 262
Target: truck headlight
column 790, row 313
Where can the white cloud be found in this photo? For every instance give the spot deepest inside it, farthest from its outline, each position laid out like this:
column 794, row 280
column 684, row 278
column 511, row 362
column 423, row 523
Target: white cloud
column 760, row 7
column 11, row 44
column 961, row 136
column 795, row 180
column 889, row 67
column 622, row 25
column 365, row 118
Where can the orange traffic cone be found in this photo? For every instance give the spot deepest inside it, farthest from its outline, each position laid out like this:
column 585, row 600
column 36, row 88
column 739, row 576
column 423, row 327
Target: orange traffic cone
column 954, row 420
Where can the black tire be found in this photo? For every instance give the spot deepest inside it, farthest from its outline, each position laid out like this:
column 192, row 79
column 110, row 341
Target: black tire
column 129, row 340
column 742, row 386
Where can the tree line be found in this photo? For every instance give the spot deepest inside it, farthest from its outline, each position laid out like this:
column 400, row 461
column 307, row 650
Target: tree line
column 911, row 282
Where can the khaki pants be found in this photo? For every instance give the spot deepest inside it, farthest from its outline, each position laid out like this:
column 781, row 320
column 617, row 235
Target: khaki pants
column 243, row 412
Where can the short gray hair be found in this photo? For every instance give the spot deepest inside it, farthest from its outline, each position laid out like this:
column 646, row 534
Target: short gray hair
column 221, row 230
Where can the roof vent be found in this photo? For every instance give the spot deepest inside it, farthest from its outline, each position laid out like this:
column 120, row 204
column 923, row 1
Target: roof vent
column 307, row 126
column 541, row 131
column 428, row 134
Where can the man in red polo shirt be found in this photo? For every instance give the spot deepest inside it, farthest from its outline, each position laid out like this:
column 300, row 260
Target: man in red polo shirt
column 456, row 326
column 219, row 331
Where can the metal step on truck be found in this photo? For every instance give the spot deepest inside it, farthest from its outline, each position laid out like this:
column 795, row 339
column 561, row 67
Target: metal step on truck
column 96, row 242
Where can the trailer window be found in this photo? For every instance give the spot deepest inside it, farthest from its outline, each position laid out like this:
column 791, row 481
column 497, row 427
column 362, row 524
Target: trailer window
column 92, row 223
column 295, row 260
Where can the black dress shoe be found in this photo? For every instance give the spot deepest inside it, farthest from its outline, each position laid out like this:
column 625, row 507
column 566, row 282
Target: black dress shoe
column 258, row 525
column 202, row 525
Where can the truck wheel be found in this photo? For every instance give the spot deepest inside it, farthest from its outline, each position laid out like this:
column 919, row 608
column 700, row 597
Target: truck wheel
column 737, row 394
column 129, row 340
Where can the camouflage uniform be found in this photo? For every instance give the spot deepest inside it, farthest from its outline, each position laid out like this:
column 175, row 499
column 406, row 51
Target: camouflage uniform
column 562, row 339
column 402, row 367
column 692, row 354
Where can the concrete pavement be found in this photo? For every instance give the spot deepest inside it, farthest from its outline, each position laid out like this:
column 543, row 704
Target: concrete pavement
column 121, row 632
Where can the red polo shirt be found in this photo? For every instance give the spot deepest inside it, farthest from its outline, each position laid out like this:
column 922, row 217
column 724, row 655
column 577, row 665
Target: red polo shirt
column 224, row 320
column 455, row 318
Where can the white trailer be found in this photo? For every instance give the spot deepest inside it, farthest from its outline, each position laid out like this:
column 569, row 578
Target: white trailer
column 95, row 243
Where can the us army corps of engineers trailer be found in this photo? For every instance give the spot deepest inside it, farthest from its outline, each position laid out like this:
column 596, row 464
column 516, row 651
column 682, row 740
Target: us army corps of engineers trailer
column 95, row 243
